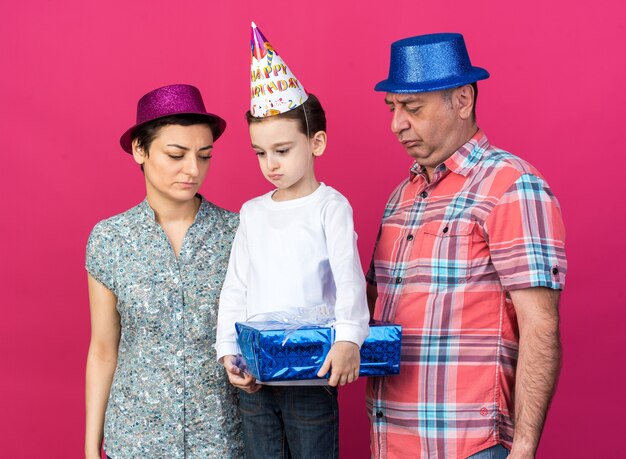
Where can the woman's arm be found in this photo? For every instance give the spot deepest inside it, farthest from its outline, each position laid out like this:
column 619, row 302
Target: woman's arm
column 101, row 362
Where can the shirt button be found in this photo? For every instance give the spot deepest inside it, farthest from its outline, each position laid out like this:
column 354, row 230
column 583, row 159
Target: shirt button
column 423, row 194
column 176, row 280
column 555, row 270
column 445, row 230
column 379, row 414
column 409, row 237
column 398, row 280
column 179, row 353
column 179, row 390
column 483, row 412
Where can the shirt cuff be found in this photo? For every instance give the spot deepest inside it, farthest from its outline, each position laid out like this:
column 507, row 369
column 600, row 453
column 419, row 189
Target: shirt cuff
column 226, row 348
column 553, row 279
column 350, row 332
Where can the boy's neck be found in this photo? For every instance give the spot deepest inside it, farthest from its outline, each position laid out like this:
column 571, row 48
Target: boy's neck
column 288, row 194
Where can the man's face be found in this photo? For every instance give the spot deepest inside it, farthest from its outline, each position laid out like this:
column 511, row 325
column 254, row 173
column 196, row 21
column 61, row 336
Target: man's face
column 425, row 124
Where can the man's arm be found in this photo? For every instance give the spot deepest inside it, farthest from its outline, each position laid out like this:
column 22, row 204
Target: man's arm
column 538, row 365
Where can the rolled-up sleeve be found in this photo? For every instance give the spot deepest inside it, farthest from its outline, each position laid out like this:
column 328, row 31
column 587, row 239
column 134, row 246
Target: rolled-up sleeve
column 526, row 236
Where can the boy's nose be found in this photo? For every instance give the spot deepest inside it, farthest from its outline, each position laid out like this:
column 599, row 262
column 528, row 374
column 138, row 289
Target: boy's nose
column 272, row 163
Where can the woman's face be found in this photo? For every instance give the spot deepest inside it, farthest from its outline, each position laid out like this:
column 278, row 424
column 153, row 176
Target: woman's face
column 178, row 161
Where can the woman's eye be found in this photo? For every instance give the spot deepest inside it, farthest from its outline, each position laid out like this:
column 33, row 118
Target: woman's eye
column 176, row 156
column 206, row 158
column 259, row 153
column 283, row 151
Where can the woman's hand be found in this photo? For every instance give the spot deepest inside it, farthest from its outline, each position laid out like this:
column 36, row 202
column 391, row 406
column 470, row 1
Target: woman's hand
column 343, row 360
column 238, row 377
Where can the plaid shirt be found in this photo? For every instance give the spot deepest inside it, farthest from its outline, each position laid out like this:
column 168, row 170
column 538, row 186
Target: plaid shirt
column 446, row 254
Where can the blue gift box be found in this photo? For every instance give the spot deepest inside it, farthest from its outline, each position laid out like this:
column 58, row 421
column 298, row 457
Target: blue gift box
column 276, row 352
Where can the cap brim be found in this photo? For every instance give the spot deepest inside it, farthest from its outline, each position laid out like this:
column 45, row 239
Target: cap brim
column 475, row 74
column 126, row 138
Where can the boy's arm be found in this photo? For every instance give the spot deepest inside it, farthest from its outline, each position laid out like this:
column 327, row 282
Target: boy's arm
column 232, row 303
column 351, row 311
column 232, row 308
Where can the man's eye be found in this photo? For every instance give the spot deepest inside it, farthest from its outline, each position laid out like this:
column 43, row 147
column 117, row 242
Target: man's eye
column 413, row 109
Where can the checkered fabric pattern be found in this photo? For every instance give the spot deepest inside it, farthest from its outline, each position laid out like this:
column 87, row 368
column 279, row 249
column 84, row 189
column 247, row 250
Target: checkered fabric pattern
column 446, row 255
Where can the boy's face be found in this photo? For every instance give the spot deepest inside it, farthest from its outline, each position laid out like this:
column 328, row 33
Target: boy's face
column 286, row 156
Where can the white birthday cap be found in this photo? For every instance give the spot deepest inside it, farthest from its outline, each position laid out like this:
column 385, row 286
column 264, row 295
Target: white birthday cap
column 273, row 88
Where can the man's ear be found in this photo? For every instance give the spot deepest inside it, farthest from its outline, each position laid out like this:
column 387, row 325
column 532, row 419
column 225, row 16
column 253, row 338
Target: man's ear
column 138, row 153
column 318, row 143
column 463, row 100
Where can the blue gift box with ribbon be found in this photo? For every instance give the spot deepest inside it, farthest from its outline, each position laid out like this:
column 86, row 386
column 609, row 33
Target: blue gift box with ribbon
column 275, row 351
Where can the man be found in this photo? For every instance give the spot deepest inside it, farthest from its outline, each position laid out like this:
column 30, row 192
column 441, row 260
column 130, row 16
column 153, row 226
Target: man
column 469, row 260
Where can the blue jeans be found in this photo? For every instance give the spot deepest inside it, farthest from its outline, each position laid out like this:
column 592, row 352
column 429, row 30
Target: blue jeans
column 283, row 422
column 495, row 452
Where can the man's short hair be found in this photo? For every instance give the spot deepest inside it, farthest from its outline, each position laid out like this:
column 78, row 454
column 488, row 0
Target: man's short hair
column 447, row 95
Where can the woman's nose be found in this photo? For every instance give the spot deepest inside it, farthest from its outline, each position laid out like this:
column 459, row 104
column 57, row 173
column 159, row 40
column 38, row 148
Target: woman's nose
column 191, row 166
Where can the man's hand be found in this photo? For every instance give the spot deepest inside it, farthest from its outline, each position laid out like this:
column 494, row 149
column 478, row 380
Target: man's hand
column 343, row 361
column 238, row 377
column 527, row 452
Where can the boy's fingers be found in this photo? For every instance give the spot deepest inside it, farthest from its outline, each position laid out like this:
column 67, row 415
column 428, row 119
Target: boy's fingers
column 325, row 368
column 232, row 369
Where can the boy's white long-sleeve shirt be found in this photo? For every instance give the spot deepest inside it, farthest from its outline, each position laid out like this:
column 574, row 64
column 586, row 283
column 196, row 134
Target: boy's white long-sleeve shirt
column 292, row 254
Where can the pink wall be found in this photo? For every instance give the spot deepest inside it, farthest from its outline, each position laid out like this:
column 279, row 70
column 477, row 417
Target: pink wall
column 72, row 71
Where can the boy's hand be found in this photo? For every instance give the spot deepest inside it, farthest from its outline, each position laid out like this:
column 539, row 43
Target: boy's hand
column 343, row 361
column 238, row 377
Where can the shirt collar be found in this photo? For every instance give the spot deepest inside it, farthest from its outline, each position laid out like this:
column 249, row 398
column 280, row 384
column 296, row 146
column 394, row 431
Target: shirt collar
column 148, row 212
column 462, row 160
column 466, row 157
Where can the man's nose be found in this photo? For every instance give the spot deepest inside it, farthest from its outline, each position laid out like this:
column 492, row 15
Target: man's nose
column 399, row 121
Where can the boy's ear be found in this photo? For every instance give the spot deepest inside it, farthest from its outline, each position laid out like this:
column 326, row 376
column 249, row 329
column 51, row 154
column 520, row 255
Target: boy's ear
column 138, row 154
column 318, row 143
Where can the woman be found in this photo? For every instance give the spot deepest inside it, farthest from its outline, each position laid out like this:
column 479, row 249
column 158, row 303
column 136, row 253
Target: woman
column 154, row 273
